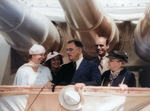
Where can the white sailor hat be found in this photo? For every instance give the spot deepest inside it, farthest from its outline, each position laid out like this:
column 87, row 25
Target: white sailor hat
column 71, row 99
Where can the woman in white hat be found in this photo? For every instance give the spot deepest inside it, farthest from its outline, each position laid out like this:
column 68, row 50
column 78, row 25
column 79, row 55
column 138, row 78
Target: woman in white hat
column 33, row 73
column 53, row 61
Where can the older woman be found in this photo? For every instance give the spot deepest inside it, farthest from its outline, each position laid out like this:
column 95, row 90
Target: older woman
column 53, row 61
column 33, row 73
column 117, row 73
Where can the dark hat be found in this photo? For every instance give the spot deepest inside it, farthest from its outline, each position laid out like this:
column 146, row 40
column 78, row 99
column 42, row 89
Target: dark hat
column 118, row 55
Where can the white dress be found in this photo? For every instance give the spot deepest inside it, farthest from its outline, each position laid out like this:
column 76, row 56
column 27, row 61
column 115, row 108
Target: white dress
column 26, row 76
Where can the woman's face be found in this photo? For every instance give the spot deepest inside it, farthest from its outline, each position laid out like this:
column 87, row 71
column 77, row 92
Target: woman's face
column 38, row 58
column 55, row 62
column 114, row 64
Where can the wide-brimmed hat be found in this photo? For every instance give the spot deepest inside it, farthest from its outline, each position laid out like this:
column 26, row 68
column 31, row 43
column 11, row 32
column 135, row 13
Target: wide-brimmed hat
column 36, row 49
column 52, row 54
column 118, row 55
column 71, row 99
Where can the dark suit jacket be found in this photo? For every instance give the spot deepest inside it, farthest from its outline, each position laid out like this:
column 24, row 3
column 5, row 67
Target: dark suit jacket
column 97, row 61
column 87, row 73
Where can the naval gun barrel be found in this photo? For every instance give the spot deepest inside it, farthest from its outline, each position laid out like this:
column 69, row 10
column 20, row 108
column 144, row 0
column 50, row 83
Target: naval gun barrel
column 22, row 27
column 142, row 36
column 88, row 20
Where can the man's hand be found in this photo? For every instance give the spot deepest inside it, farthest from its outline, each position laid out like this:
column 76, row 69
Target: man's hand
column 48, row 85
column 79, row 86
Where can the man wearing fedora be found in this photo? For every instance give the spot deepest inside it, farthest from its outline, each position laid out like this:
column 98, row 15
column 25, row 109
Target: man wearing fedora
column 117, row 73
column 101, row 47
column 79, row 70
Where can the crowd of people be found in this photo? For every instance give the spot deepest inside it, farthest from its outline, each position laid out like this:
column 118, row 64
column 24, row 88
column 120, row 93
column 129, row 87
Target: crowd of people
column 105, row 70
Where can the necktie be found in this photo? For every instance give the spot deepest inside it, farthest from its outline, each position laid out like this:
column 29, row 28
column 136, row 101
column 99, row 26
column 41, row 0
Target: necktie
column 101, row 62
column 74, row 64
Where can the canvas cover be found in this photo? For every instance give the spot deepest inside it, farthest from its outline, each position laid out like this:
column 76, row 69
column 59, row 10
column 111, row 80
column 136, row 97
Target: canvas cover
column 96, row 99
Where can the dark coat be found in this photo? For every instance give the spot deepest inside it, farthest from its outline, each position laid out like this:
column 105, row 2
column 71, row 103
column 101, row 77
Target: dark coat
column 129, row 78
column 97, row 61
column 87, row 73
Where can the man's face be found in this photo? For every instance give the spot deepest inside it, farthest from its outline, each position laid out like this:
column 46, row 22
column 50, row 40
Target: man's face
column 100, row 46
column 38, row 58
column 114, row 64
column 73, row 52
column 55, row 62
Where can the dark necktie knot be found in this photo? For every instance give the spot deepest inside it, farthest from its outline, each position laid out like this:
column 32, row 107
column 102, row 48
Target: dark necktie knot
column 74, row 64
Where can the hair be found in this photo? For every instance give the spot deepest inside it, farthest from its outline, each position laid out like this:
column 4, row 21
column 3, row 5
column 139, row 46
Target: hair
column 77, row 43
column 123, row 62
column 47, row 63
column 107, row 42
column 30, row 56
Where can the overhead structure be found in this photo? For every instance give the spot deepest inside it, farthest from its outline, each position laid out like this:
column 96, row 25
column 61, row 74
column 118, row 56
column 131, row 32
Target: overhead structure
column 22, row 27
column 142, row 36
column 88, row 20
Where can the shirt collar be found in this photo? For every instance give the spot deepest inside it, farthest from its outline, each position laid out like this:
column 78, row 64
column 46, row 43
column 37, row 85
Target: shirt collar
column 78, row 62
column 104, row 57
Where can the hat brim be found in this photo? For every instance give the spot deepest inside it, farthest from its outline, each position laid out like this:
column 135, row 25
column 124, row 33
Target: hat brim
column 115, row 57
column 112, row 57
column 67, row 106
column 52, row 57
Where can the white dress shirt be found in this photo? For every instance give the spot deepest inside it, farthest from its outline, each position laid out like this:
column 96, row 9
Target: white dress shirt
column 78, row 62
column 104, row 64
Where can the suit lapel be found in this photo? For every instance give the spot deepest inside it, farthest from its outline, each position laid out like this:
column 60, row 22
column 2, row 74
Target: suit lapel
column 80, row 70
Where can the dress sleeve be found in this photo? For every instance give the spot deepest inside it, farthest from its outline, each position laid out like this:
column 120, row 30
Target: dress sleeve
column 49, row 74
column 51, row 77
column 21, row 77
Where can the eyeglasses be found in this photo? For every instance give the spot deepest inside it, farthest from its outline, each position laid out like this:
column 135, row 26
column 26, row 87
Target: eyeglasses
column 99, row 45
column 70, row 49
column 57, row 59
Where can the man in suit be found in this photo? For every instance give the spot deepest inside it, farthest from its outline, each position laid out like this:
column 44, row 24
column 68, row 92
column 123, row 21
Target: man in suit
column 79, row 71
column 101, row 47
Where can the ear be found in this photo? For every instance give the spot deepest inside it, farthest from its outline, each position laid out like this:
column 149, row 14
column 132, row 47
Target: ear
column 80, row 50
column 107, row 46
